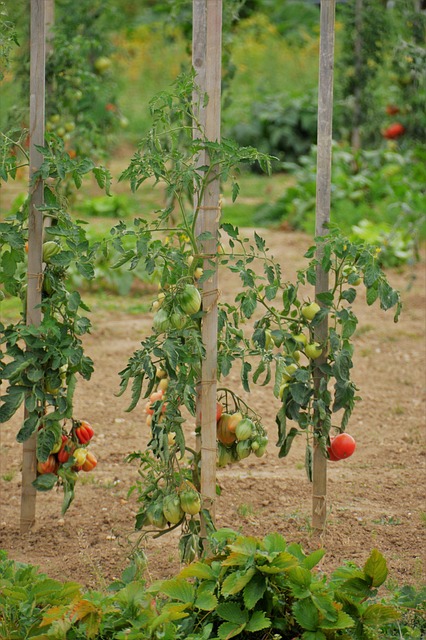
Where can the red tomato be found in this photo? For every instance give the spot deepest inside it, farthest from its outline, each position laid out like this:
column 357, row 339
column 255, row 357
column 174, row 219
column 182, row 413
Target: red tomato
column 331, row 455
column 84, row 432
column 219, row 411
column 392, row 109
column 90, row 462
column 343, row 446
column 394, row 130
column 48, row 466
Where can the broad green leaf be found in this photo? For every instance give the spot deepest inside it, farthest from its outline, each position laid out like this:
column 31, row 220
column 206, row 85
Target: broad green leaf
column 229, row 630
column 375, row 568
column 379, row 614
column 31, row 423
column 254, row 591
column 274, row 542
column 205, row 601
column 313, row 558
column 313, row 635
column 45, row 482
column 170, row 611
column 306, row 614
column 325, row 606
column 258, row 621
column 300, row 581
column 343, row 621
column 357, row 587
column 179, row 589
column 232, row 612
column 199, row 570
column 236, row 581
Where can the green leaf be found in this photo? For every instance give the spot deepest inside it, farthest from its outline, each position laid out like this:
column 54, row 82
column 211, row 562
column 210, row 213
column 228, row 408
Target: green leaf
column 375, row 568
column 232, row 612
column 205, row 599
column 198, row 570
column 372, row 294
column 229, row 630
column 306, row 614
column 257, row 622
column 11, row 402
column 31, row 423
column 46, row 439
column 313, row 635
column 300, row 581
column 236, row 581
column 379, row 614
column 45, row 482
column 371, row 273
column 343, row 621
column 274, row 542
column 313, row 558
column 254, row 591
column 178, row 589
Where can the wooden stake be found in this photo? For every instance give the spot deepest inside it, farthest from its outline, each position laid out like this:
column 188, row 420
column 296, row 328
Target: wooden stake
column 323, row 191
column 35, row 232
column 207, row 55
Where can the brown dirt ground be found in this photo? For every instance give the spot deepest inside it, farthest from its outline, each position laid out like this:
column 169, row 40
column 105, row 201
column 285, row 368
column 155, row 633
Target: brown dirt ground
column 376, row 499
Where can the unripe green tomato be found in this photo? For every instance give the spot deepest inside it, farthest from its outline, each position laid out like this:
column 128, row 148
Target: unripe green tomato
column 190, row 501
column 310, row 311
column 313, row 350
column 300, row 338
column 50, row 249
column 244, row 429
column 289, row 371
column 161, row 321
column 189, row 299
column 283, row 387
column 243, row 449
column 178, row 320
column 172, row 510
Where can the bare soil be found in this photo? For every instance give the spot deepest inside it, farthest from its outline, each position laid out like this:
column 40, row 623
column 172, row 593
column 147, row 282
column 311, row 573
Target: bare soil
column 376, row 499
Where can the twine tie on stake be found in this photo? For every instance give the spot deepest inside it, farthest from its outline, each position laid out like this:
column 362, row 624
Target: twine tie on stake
column 322, row 504
column 39, row 277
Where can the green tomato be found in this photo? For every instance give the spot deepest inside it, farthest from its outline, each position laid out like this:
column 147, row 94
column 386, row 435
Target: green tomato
column 313, row 350
column 289, row 371
column 102, row 64
column 189, row 299
column 310, row 311
column 244, row 429
column 300, row 338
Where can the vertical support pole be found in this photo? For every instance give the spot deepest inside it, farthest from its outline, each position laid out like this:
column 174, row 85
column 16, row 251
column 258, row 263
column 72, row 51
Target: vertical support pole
column 356, row 133
column 323, row 192
column 208, row 66
column 35, row 231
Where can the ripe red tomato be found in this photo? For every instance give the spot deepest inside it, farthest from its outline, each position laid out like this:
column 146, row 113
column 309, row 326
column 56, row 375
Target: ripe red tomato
column 392, row 109
column 394, row 130
column 343, row 446
column 90, row 462
column 331, row 455
column 84, row 432
column 48, row 466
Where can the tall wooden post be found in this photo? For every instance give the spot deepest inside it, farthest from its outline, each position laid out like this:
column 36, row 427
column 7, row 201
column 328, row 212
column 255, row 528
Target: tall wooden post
column 35, row 231
column 323, row 192
column 207, row 56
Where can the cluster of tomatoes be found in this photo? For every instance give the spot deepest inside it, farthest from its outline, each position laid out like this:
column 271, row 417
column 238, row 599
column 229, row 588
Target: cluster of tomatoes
column 395, row 129
column 173, row 505
column 71, row 450
column 238, row 436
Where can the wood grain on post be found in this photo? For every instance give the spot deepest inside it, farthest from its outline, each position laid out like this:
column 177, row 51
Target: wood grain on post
column 323, row 192
column 207, row 58
column 35, row 232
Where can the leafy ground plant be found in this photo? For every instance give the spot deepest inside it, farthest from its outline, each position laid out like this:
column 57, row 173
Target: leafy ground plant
column 250, row 588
